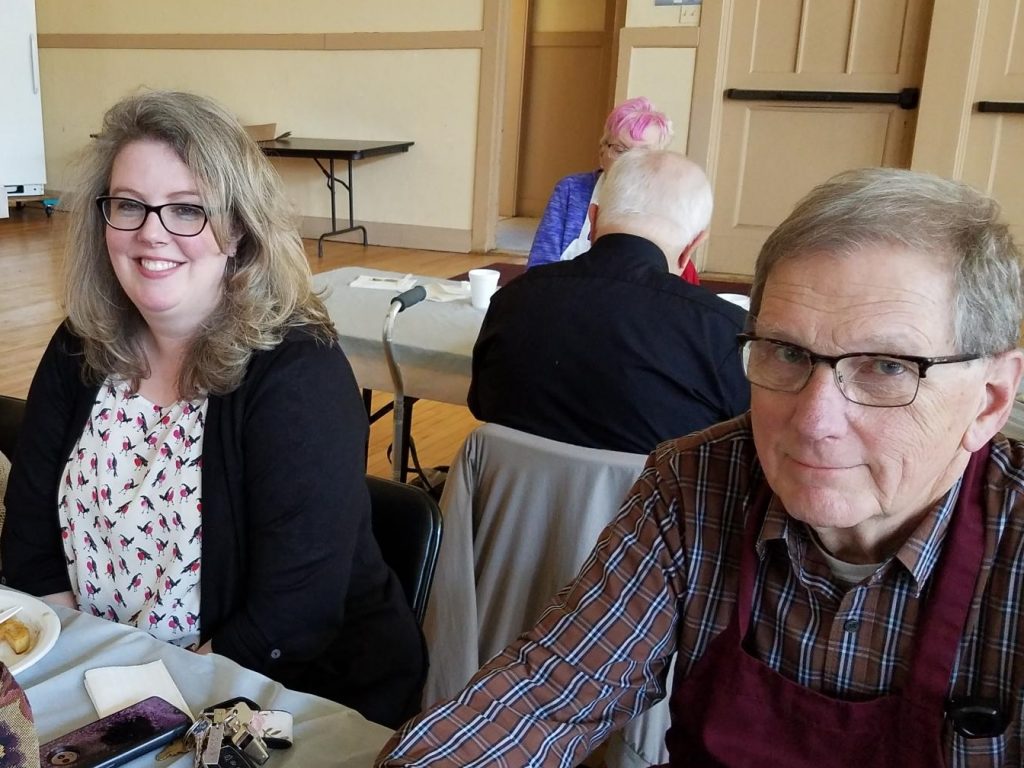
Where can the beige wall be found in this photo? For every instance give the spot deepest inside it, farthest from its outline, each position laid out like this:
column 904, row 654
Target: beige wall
column 188, row 16
column 644, row 13
column 323, row 83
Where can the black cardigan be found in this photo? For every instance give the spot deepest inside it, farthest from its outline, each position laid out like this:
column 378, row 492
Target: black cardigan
column 292, row 580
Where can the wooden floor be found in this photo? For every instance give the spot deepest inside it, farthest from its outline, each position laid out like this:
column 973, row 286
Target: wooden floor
column 30, row 251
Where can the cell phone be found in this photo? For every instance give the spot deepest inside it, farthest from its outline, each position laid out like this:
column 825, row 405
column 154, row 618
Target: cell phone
column 117, row 738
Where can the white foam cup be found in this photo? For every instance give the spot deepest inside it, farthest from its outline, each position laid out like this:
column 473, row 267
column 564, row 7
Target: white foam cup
column 482, row 285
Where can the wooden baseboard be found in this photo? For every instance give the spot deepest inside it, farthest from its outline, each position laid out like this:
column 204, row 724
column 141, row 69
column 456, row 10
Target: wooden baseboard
column 394, row 235
column 725, row 277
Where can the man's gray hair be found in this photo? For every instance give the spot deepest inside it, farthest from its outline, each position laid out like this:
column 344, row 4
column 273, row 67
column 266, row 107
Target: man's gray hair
column 659, row 185
column 921, row 213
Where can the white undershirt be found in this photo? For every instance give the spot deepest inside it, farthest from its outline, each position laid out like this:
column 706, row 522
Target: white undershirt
column 848, row 573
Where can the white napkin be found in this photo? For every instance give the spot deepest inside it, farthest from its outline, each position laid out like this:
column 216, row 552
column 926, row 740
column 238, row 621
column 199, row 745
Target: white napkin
column 446, row 292
column 397, row 284
column 114, row 688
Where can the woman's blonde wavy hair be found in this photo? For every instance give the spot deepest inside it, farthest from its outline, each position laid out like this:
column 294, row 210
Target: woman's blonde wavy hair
column 267, row 283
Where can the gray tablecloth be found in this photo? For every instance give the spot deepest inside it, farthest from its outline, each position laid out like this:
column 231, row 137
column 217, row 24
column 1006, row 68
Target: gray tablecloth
column 326, row 733
column 432, row 341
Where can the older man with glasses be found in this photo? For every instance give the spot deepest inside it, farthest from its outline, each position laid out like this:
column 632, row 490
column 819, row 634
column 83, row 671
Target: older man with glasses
column 840, row 571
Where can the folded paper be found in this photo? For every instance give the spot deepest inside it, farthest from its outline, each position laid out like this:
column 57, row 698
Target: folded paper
column 114, row 688
column 447, row 291
column 397, row 284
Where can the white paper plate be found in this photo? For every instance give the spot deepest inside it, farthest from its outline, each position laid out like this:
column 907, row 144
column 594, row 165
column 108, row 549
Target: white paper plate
column 42, row 623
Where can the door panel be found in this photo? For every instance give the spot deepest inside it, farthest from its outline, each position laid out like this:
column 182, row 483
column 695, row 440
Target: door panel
column 776, row 37
column 771, row 154
column 1006, row 181
column 786, row 150
column 877, row 44
column 1001, row 72
column 826, row 35
column 994, row 157
column 777, row 143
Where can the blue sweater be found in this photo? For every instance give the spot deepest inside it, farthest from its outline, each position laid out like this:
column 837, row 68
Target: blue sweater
column 563, row 217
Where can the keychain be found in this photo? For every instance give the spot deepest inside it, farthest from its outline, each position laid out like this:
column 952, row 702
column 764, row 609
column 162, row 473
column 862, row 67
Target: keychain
column 234, row 734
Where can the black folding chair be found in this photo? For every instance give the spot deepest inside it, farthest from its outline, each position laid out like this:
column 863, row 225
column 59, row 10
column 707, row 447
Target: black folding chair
column 407, row 526
column 12, row 411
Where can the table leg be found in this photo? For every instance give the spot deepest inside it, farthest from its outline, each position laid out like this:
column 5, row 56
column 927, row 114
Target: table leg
column 352, row 227
column 406, row 439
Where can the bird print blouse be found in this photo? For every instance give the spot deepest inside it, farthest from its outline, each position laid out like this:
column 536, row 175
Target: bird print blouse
column 130, row 513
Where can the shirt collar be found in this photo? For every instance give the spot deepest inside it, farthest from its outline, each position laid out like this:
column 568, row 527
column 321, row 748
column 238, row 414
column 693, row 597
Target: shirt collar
column 918, row 555
column 625, row 249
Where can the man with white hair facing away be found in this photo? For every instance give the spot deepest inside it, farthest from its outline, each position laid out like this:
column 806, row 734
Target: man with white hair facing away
column 612, row 350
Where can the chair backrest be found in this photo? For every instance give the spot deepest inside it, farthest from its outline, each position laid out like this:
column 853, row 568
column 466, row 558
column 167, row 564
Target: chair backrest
column 521, row 514
column 12, row 411
column 407, row 526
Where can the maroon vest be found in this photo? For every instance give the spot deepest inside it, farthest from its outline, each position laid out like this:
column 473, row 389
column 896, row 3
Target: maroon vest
column 733, row 710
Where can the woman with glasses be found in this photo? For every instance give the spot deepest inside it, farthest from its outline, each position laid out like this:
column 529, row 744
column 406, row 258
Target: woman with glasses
column 192, row 456
column 564, row 229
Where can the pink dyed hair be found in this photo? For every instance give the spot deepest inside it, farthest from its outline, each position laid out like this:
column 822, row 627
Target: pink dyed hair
column 635, row 116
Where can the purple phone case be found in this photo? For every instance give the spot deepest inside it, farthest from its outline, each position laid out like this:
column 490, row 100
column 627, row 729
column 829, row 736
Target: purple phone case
column 118, row 738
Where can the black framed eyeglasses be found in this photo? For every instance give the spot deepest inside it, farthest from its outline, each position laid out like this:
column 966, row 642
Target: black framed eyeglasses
column 866, row 378
column 127, row 215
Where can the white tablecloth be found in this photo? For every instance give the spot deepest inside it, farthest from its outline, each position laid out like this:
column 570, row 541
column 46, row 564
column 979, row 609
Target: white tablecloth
column 432, row 341
column 326, row 733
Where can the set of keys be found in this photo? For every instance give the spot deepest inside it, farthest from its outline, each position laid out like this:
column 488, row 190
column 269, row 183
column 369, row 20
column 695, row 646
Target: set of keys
column 233, row 735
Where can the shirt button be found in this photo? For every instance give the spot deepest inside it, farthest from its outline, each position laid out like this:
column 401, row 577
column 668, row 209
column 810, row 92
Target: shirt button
column 851, row 625
column 276, row 653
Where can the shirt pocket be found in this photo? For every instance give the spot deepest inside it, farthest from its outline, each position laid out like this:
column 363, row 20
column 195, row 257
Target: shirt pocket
column 995, row 752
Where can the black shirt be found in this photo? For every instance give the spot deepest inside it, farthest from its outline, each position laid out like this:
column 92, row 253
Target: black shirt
column 609, row 350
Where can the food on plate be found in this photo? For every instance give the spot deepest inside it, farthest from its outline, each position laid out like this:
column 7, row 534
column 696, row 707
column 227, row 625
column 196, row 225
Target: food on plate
column 17, row 635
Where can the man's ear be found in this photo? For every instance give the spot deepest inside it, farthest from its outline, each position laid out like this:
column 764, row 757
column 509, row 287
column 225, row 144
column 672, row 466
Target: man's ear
column 1001, row 384
column 687, row 253
column 592, row 215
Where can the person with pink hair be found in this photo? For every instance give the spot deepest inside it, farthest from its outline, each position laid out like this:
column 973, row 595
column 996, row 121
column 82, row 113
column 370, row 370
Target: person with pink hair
column 564, row 229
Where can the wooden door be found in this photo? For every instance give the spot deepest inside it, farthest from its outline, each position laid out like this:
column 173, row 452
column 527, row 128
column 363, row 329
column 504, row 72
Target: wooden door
column 512, row 109
column 772, row 152
column 976, row 126
column 565, row 95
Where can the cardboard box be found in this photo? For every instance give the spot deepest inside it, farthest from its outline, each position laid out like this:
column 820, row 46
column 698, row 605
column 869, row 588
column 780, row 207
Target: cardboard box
column 265, row 132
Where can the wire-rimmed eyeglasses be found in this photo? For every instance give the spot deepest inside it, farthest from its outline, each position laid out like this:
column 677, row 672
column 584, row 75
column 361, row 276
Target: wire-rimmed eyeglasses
column 614, row 148
column 126, row 214
column 865, row 378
